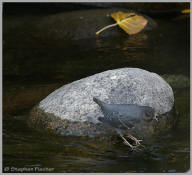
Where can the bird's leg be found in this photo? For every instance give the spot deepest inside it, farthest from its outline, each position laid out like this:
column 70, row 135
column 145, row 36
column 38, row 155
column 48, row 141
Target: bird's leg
column 137, row 142
column 125, row 141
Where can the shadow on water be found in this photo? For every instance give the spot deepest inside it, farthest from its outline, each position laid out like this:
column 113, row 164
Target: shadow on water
column 32, row 71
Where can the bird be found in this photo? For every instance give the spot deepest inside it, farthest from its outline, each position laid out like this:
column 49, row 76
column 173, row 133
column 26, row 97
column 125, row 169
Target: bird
column 122, row 117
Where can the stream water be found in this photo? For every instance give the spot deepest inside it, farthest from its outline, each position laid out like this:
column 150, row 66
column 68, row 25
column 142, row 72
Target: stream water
column 31, row 72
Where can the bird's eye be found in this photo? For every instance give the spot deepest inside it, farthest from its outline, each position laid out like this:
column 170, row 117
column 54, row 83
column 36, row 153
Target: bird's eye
column 156, row 117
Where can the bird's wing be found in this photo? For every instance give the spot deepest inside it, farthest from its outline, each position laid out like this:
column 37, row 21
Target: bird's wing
column 125, row 121
column 111, row 118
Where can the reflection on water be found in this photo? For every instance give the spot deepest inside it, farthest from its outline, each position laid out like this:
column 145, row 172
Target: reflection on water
column 32, row 71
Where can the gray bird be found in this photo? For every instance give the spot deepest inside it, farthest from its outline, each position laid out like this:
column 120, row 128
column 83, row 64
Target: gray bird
column 123, row 117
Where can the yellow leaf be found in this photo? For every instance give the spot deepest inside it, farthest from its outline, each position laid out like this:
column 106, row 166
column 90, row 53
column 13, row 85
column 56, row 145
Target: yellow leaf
column 185, row 11
column 119, row 16
column 131, row 23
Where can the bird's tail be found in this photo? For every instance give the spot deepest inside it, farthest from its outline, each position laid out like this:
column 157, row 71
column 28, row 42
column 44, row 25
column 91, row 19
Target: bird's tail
column 99, row 102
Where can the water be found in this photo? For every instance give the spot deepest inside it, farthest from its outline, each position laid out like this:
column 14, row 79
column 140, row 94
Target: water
column 33, row 70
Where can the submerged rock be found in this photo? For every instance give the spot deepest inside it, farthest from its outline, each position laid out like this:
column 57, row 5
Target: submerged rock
column 70, row 110
column 64, row 26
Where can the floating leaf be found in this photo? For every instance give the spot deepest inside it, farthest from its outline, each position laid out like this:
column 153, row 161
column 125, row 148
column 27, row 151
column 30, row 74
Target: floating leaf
column 131, row 23
column 185, row 11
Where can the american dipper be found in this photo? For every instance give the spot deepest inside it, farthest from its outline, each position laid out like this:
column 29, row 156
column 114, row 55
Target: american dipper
column 123, row 117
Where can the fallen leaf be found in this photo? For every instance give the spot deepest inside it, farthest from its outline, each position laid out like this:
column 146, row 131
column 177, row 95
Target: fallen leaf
column 185, row 11
column 131, row 23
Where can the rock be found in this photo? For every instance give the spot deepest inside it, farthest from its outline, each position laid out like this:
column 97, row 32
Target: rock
column 63, row 26
column 152, row 9
column 70, row 110
column 19, row 98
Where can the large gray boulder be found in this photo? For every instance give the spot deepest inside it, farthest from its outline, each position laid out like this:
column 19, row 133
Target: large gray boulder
column 73, row 108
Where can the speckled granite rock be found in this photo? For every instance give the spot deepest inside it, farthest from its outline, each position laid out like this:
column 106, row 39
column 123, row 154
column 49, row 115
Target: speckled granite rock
column 70, row 110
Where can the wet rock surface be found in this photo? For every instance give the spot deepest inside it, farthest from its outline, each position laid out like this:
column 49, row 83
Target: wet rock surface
column 154, row 9
column 66, row 26
column 70, row 110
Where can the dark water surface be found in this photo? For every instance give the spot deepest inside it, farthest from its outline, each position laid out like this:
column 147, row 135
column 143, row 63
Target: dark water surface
column 31, row 71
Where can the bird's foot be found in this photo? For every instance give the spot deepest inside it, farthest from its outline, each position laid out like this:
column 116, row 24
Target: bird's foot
column 136, row 141
column 130, row 145
column 134, row 148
